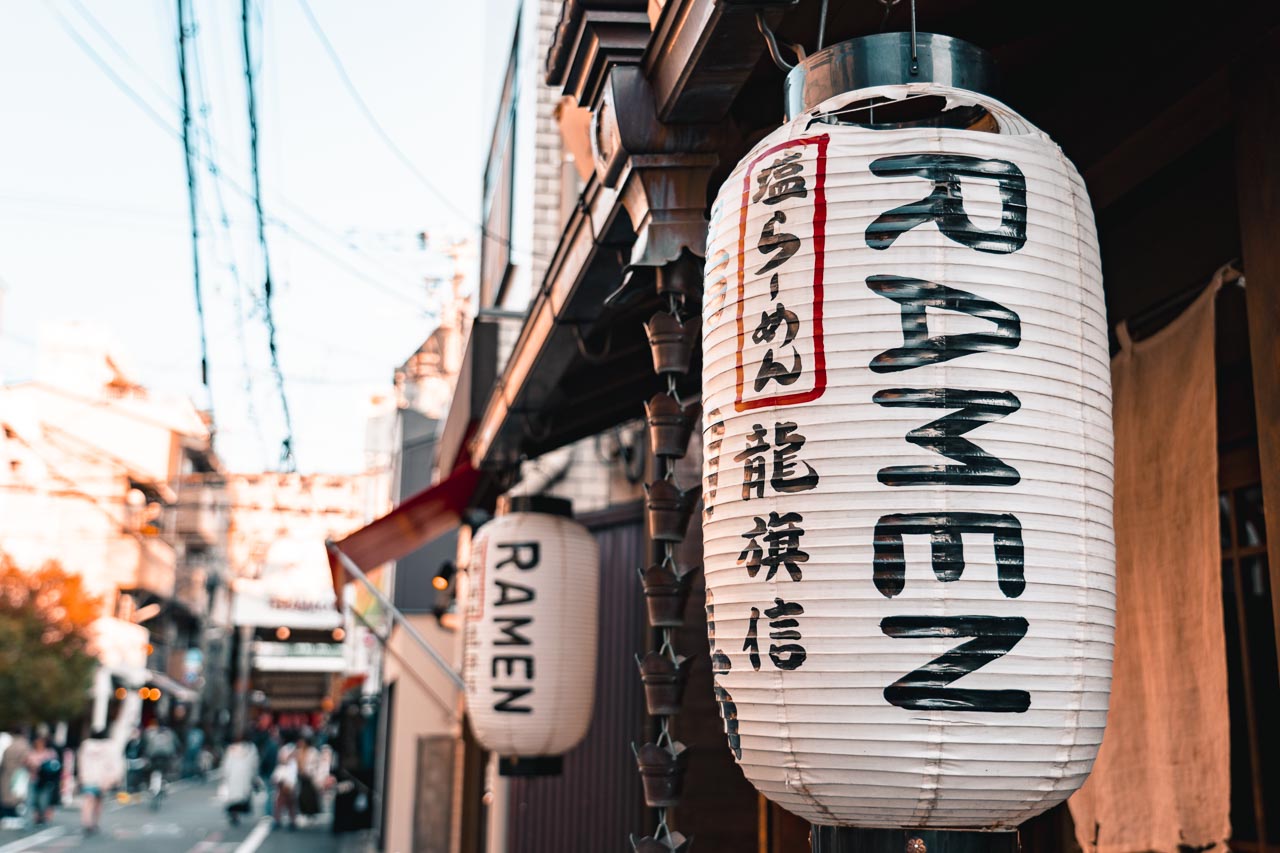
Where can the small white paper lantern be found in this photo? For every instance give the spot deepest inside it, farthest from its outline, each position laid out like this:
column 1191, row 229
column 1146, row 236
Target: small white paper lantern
column 908, row 546
column 530, row 637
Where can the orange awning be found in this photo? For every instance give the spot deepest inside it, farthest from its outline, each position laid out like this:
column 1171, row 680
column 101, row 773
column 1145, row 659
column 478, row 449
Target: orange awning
column 415, row 522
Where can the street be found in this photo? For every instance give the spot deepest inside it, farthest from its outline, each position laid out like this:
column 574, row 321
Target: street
column 190, row 820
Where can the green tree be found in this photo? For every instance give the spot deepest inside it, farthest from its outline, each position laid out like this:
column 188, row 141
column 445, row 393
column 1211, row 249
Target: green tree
column 45, row 663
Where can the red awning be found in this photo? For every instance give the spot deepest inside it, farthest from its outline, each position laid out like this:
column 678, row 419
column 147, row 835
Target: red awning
column 414, row 523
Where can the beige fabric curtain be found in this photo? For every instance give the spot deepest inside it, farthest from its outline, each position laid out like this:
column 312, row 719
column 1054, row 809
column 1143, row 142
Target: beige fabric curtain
column 1163, row 775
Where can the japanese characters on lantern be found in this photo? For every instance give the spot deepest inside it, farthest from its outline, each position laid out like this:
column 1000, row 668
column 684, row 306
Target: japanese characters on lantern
column 529, row 659
column 907, row 472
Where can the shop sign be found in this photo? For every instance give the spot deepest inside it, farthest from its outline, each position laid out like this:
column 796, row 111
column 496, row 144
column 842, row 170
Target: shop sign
column 907, row 485
column 530, row 636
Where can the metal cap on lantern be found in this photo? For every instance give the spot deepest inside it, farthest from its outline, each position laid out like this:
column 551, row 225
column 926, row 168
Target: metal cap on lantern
column 908, row 545
column 887, row 59
column 531, row 621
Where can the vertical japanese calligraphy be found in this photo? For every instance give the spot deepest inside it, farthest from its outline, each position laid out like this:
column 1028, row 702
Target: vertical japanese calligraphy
column 780, row 359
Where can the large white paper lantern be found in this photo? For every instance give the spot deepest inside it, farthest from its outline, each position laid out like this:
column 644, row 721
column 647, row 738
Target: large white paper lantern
column 908, row 545
column 530, row 638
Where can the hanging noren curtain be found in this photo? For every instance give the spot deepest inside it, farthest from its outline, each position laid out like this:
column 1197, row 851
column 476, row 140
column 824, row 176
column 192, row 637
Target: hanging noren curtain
column 1163, row 777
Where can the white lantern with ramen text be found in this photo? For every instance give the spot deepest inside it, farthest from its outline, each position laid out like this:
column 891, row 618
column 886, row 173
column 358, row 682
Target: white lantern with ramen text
column 908, row 546
column 530, row 638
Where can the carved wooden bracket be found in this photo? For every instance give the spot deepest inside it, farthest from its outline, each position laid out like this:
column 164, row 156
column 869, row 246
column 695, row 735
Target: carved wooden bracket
column 665, row 196
column 592, row 37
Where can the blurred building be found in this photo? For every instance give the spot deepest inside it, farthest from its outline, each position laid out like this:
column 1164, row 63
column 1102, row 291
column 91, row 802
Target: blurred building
column 290, row 627
column 433, row 774
column 121, row 485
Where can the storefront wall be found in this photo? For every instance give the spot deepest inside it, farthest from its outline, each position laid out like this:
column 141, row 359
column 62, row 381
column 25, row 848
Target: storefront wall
column 418, row 725
column 595, row 802
column 1184, row 175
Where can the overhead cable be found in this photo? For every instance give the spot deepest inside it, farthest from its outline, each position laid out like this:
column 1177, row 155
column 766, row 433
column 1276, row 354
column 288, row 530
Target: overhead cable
column 386, row 138
column 233, row 266
column 287, row 461
column 189, row 160
column 212, row 168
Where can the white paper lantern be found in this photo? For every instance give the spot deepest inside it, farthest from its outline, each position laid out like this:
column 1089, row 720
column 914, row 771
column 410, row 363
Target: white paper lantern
column 530, row 641
column 908, row 545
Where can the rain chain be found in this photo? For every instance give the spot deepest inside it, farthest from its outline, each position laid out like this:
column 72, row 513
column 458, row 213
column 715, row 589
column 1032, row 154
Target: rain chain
column 672, row 336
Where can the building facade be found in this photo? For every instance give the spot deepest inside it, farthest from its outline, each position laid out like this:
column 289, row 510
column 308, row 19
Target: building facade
column 679, row 92
column 121, row 486
column 659, row 101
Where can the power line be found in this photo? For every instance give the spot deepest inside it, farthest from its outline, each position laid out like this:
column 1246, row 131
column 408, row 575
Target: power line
column 238, row 287
column 111, row 74
column 386, row 137
column 115, row 45
column 191, row 195
column 211, row 165
column 287, row 461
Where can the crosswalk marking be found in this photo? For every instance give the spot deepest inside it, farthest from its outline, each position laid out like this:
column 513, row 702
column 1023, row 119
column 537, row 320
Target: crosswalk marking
column 255, row 838
column 32, row 840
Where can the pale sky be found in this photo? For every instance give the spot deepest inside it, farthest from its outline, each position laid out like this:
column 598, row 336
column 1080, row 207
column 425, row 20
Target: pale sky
column 93, row 205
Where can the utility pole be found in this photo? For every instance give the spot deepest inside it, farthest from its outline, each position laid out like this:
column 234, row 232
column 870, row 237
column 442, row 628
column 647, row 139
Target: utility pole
column 244, row 660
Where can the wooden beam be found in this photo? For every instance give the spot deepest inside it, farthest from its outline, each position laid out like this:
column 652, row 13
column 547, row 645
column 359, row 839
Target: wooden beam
column 1257, row 85
column 1172, row 133
column 702, row 53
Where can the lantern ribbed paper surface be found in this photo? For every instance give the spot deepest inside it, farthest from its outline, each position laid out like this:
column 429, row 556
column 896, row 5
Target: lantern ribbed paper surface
column 908, row 543
column 530, row 647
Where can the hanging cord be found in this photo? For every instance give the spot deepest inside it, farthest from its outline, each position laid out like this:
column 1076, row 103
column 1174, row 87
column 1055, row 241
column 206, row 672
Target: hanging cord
column 889, row 6
column 189, row 158
column 822, row 25
column 915, row 62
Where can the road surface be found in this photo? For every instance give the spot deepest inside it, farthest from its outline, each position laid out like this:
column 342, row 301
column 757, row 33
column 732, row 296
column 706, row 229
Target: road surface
column 190, row 820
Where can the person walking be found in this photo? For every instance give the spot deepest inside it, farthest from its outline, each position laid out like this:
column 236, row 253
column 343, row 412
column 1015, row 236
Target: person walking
column 268, row 758
column 14, row 777
column 45, row 776
column 285, row 780
column 135, row 762
column 309, row 778
column 100, row 765
column 159, row 745
column 191, row 754
column 240, row 769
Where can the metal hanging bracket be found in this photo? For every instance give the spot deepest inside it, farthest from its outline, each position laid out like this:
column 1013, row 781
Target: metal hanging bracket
column 771, row 42
column 887, row 59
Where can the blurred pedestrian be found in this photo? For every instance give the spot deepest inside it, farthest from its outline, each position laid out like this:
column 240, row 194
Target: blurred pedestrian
column 100, row 764
column 308, row 785
column 191, row 754
column 159, row 745
column 285, row 781
column 45, row 777
column 14, row 776
column 268, row 758
column 240, row 770
column 135, row 762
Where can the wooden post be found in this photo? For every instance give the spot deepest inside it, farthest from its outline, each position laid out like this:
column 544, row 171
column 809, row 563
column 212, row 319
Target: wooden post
column 1257, row 84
